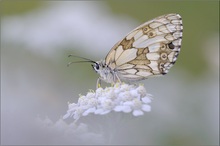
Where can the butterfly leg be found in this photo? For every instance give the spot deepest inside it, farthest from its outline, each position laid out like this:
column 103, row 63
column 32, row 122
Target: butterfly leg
column 98, row 83
column 118, row 78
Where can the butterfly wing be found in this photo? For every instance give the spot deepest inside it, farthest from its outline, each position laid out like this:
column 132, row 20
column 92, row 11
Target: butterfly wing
column 150, row 49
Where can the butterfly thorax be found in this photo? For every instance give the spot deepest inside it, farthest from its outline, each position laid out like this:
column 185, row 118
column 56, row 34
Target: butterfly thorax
column 106, row 73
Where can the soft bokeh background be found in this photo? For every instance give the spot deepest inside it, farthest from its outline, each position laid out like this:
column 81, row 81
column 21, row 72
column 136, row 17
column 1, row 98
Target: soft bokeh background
column 37, row 37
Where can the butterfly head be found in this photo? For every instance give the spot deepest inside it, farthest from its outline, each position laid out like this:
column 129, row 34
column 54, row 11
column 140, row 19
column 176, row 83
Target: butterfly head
column 100, row 66
column 97, row 66
column 105, row 72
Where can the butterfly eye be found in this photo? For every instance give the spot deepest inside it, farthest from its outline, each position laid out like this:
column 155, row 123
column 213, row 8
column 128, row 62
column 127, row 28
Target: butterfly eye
column 95, row 66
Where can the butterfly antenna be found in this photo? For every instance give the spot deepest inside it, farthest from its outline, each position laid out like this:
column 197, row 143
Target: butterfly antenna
column 85, row 60
column 71, row 55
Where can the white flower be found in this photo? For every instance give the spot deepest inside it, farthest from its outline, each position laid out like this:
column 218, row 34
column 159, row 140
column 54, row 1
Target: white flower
column 119, row 98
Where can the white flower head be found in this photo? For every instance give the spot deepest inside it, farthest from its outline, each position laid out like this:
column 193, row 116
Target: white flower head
column 119, row 98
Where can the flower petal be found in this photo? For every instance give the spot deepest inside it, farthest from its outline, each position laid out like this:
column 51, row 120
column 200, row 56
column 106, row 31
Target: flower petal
column 146, row 100
column 138, row 113
column 146, row 108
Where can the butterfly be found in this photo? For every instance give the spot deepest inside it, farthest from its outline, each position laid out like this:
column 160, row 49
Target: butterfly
column 149, row 50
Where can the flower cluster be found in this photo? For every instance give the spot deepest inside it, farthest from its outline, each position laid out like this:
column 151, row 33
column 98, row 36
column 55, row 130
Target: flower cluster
column 119, row 98
column 60, row 132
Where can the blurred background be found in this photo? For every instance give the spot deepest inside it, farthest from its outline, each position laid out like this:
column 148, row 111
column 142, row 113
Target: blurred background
column 37, row 37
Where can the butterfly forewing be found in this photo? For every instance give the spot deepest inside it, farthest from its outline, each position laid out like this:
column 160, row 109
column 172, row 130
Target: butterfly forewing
column 150, row 49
